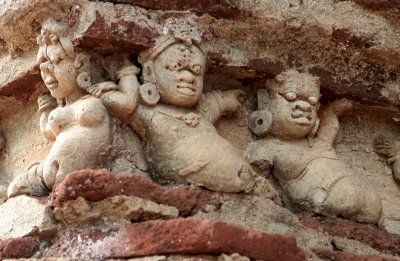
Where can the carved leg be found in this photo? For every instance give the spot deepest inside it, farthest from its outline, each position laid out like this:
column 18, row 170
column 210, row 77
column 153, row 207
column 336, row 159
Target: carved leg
column 353, row 198
column 30, row 182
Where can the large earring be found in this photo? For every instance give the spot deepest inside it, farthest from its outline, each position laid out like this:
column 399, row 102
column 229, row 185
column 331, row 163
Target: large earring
column 260, row 122
column 84, row 80
column 149, row 94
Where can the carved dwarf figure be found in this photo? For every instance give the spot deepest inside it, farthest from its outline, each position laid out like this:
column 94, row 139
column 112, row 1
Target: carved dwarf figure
column 299, row 149
column 176, row 120
column 77, row 122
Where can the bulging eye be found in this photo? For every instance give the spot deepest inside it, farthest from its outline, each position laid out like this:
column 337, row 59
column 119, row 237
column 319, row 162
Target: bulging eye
column 313, row 100
column 196, row 69
column 290, row 96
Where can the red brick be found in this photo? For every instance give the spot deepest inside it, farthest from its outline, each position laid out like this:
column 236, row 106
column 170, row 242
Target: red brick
column 96, row 185
column 368, row 234
column 178, row 236
column 18, row 247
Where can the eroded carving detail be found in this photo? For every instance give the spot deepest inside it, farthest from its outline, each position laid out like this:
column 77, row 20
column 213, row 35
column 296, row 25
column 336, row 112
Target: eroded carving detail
column 299, row 148
column 389, row 149
column 78, row 123
column 176, row 120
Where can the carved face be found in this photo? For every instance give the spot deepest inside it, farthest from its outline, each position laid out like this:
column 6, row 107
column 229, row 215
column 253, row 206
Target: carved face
column 179, row 72
column 59, row 73
column 296, row 108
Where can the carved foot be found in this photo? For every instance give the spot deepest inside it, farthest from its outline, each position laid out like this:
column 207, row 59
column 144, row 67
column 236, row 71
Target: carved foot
column 30, row 183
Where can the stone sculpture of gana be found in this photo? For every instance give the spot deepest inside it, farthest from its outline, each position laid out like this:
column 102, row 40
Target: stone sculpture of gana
column 298, row 146
column 78, row 122
column 176, row 119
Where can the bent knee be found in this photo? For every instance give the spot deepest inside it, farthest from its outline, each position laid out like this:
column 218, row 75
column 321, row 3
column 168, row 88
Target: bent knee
column 352, row 197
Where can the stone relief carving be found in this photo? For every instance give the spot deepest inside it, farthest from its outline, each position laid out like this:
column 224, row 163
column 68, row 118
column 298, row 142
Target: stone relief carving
column 297, row 146
column 176, row 120
column 78, row 123
column 390, row 150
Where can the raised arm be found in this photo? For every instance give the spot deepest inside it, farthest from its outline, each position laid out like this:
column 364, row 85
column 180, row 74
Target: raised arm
column 215, row 104
column 46, row 104
column 329, row 122
column 121, row 99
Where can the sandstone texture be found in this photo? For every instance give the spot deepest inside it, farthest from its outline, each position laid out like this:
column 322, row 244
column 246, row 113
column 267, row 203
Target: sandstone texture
column 180, row 236
column 111, row 209
column 24, row 216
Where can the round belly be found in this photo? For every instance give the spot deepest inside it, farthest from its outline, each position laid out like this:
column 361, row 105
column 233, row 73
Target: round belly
column 202, row 154
column 75, row 148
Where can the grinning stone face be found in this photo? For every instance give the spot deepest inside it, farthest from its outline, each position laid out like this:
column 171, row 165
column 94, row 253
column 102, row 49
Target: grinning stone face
column 179, row 72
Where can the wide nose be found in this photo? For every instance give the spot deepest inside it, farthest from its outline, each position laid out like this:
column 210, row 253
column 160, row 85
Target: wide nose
column 186, row 76
column 302, row 105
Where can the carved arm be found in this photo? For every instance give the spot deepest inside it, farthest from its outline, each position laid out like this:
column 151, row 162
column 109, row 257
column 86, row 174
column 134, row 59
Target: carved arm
column 121, row 99
column 214, row 104
column 329, row 124
column 46, row 104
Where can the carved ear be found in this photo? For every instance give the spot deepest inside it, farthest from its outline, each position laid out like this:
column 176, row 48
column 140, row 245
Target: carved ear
column 260, row 122
column 82, row 62
column 147, row 73
column 263, row 99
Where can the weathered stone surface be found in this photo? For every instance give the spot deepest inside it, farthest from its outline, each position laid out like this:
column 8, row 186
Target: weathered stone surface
column 108, row 28
column 23, row 215
column 20, row 21
column 96, row 185
column 216, row 8
column 261, row 214
column 180, row 236
column 327, row 254
column 19, row 77
column 387, row 8
column 18, row 247
column 368, row 234
column 111, row 209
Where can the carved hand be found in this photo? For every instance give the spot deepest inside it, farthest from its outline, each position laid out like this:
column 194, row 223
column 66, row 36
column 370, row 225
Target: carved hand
column 46, row 102
column 99, row 88
column 233, row 99
column 341, row 106
column 127, row 70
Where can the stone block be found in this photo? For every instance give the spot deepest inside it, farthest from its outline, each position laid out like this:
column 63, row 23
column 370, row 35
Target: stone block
column 22, row 216
column 112, row 209
column 96, row 185
column 178, row 236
